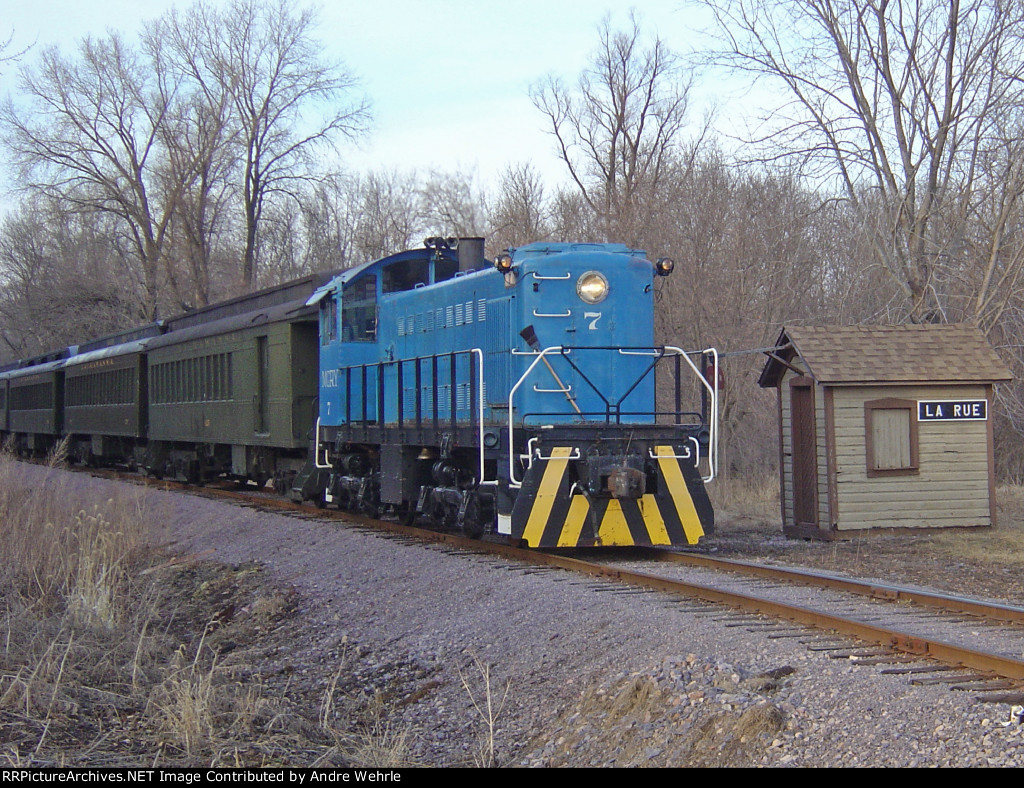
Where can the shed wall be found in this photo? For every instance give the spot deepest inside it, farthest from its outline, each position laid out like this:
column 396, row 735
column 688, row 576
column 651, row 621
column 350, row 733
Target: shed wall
column 952, row 487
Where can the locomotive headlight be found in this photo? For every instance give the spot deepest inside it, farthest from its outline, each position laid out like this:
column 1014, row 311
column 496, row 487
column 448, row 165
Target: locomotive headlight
column 592, row 287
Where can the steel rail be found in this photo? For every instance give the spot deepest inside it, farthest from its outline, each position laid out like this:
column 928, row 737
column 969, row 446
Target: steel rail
column 882, row 591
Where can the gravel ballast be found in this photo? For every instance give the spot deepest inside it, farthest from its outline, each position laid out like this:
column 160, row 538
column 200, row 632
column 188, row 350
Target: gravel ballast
column 577, row 674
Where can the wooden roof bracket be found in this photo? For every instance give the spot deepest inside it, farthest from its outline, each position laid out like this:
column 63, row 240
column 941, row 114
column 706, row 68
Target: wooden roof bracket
column 786, row 364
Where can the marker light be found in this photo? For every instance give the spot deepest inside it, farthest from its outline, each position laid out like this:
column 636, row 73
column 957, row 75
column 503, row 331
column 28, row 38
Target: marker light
column 503, row 263
column 592, row 287
column 665, row 266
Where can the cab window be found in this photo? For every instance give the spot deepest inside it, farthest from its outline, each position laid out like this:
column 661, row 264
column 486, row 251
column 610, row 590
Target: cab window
column 328, row 321
column 405, row 275
column 359, row 310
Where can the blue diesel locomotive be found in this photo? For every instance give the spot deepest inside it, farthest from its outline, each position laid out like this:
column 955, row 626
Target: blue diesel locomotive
column 525, row 396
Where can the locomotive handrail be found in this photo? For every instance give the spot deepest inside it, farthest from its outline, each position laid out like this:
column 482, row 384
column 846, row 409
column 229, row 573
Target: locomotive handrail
column 379, row 366
column 712, row 390
column 599, row 416
column 564, row 390
column 535, row 275
column 623, row 352
column 528, row 457
column 512, row 480
column 575, row 454
column 480, row 418
column 713, row 418
column 316, row 448
column 568, row 313
column 653, row 456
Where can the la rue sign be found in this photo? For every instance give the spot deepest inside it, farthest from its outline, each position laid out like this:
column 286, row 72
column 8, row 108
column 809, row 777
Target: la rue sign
column 952, row 410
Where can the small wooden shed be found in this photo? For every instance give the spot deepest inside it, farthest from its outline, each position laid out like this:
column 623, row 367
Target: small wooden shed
column 884, row 427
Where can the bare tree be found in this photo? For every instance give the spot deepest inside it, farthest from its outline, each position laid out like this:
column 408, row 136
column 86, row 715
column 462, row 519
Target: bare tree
column 201, row 152
column 89, row 136
column 910, row 109
column 519, row 214
column 263, row 57
column 61, row 281
column 750, row 255
column 618, row 128
column 340, row 221
column 7, row 54
column 388, row 217
column 452, row 204
column 571, row 217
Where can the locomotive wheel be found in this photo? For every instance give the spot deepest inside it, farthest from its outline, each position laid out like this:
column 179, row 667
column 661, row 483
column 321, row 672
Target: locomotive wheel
column 194, row 473
column 407, row 514
column 472, row 524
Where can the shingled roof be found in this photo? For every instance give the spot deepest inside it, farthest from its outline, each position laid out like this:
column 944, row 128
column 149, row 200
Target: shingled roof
column 888, row 354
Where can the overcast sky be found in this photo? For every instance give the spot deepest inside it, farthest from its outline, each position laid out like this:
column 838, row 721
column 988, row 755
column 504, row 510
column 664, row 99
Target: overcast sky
column 448, row 79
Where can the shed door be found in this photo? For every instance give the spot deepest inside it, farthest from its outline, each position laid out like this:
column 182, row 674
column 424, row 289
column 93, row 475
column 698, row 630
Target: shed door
column 805, row 453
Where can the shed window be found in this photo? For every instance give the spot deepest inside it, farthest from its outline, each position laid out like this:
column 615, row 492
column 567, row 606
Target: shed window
column 891, row 439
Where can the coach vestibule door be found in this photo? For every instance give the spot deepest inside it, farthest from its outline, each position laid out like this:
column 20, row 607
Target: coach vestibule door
column 262, row 385
column 805, row 453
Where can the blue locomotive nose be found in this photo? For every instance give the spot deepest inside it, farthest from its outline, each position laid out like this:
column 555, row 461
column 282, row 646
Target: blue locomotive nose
column 591, row 302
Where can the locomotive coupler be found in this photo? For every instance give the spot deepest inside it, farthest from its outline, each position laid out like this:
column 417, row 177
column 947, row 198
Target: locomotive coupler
column 616, row 476
column 627, row 483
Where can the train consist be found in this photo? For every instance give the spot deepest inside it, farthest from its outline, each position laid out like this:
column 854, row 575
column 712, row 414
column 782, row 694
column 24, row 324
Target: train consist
column 523, row 396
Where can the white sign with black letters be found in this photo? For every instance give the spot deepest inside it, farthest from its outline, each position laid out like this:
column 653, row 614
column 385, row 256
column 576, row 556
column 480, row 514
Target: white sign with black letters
column 952, row 410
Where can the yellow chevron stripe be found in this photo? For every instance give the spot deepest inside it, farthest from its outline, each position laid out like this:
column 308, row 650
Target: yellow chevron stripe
column 653, row 520
column 614, row 530
column 541, row 509
column 574, row 520
column 680, row 494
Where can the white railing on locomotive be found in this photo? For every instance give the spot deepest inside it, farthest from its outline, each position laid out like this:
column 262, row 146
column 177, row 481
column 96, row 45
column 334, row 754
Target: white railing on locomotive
column 379, row 379
column 668, row 351
column 615, row 408
column 712, row 389
column 316, row 450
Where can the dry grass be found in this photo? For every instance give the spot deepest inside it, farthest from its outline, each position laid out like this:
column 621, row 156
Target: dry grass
column 113, row 655
column 726, row 739
column 743, row 505
column 376, row 744
column 62, row 553
column 969, row 561
column 1003, row 544
column 477, row 682
column 754, row 498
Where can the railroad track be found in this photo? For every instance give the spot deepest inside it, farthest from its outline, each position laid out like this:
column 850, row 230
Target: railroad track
column 968, row 644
